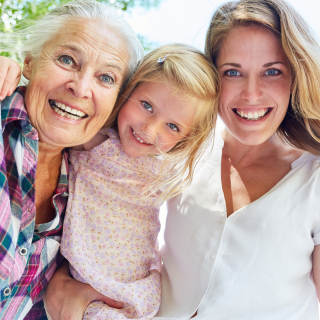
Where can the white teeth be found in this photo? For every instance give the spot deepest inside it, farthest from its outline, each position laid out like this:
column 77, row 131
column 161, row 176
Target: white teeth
column 80, row 114
column 61, row 106
column 72, row 113
column 137, row 138
column 255, row 115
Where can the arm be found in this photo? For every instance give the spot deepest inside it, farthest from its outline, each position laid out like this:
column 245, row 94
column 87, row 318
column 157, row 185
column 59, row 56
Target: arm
column 10, row 74
column 96, row 140
column 316, row 268
column 66, row 298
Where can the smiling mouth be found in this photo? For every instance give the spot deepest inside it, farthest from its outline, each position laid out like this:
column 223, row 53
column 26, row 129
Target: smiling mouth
column 139, row 138
column 66, row 111
column 252, row 115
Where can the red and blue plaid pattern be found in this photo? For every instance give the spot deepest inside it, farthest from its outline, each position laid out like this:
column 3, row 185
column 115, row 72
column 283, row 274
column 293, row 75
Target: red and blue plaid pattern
column 29, row 253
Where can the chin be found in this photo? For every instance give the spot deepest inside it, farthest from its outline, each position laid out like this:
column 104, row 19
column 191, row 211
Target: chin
column 57, row 140
column 253, row 138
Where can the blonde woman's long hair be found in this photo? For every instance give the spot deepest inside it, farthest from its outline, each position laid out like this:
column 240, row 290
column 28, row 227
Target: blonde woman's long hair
column 301, row 125
column 190, row 72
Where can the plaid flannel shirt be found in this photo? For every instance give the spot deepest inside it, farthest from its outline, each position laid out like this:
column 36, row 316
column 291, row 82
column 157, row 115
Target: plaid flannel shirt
column 29, row 253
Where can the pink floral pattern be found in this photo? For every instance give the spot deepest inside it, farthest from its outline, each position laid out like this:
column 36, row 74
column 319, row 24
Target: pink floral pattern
column 110, row 231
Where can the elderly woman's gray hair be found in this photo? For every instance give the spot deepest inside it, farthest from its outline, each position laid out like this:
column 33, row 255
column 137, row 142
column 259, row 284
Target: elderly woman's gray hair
column 34, row 37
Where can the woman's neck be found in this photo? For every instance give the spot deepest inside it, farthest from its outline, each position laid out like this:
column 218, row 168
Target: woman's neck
column 49, row 156
column 246, row 155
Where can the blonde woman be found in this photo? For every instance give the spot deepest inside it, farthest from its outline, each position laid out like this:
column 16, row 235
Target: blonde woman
column 242, row 242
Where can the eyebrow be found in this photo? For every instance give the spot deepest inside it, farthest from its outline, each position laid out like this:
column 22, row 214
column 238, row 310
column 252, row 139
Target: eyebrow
column 272, row 63
column 237, row 65
column 79, row 51
column 71, row 47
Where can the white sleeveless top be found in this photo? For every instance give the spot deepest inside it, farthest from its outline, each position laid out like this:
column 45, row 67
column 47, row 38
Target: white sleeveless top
column 253, row 265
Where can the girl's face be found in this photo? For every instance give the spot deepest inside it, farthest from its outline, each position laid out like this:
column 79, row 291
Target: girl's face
column 255, row 84
column 154, row 119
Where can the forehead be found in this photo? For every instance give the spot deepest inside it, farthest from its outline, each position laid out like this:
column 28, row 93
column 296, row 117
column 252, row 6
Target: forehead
column 90, row 39
column 252, row 43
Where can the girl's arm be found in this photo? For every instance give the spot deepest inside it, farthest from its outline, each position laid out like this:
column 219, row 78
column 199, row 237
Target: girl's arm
column 96, row 140
column 316, row 268
column 66, row 298
column 10, row 74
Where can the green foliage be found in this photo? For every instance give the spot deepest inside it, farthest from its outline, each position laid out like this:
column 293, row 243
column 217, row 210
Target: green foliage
column 13, row 13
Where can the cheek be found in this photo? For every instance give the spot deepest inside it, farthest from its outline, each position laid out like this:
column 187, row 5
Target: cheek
column 281, row 92
column 124, row 115
column 229, row 91
column 169, row 142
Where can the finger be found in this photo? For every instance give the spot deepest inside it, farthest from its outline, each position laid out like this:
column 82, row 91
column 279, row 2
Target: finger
column 14, row 86
column 11, row 80
column 110, row 302
column 3, row 75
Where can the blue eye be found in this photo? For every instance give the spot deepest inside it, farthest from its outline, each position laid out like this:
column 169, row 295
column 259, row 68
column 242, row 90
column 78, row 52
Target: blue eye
column 272, row 72
column 172, row 126
column 232, row 73
column 147, row 106
column 66, row 60
column 107, row 79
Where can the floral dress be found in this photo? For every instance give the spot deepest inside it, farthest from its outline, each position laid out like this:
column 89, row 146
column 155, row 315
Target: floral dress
column 110, row 230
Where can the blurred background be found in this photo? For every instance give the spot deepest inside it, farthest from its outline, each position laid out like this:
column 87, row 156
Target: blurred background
column 155, row 21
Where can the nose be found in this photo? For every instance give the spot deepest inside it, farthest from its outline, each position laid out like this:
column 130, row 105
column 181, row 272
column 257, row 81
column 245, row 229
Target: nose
column 252, row 90
column 151, row 128
column 81, row 85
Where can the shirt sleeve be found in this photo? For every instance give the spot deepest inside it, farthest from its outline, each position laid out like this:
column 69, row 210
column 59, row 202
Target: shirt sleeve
column 316, row 234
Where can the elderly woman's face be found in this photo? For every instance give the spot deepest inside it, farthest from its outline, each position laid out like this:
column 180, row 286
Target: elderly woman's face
column 255, row 84
column 74, row 84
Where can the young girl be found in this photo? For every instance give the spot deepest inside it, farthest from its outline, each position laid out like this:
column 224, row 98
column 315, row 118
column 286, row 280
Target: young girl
column 112, row 219
column 118, row 182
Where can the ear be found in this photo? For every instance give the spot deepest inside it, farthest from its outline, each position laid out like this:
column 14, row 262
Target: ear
column 27, row 67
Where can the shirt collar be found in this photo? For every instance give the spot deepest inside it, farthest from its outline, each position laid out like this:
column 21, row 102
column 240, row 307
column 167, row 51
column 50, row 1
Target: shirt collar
column 13, row 109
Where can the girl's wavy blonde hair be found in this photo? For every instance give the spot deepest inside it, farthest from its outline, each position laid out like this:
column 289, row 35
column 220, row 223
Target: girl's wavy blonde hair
column 301, row 125
column 190, row 72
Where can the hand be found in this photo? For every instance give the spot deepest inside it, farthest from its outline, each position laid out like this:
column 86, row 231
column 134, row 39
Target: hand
column 67, row 299
column 10, row 74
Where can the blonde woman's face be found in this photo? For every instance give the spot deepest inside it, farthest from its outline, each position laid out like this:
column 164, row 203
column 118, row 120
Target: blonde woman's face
column 154, row 119
column 255, row 84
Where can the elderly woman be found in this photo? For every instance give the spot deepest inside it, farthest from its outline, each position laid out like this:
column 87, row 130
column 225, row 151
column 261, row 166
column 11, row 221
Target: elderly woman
column 242, row 241
column 77, row 59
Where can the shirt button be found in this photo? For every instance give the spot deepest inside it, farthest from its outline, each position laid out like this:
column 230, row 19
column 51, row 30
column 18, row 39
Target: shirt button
column 7, row 292
column 36, row 230
column 212, row 256
column 23, row 251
